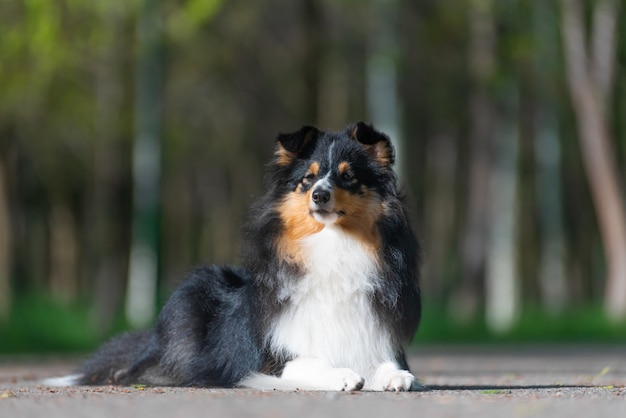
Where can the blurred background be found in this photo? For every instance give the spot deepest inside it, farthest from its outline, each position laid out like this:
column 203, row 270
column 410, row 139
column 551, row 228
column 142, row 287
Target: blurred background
column 134, row 136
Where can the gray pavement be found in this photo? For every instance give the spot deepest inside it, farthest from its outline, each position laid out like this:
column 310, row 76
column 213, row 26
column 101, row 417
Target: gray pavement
column 460, row 381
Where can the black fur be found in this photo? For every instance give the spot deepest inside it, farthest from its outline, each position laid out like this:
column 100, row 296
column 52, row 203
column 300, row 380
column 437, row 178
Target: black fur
column 212, row 331
column 206, row 335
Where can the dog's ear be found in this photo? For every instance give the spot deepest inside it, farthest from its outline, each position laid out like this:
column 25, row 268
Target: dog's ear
column 292, row 146
column 376, row 143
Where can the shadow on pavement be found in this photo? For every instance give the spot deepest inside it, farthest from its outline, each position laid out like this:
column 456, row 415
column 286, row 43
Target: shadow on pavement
column 432, row 388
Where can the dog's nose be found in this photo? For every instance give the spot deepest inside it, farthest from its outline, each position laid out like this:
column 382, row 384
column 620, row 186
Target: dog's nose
column 320, row 196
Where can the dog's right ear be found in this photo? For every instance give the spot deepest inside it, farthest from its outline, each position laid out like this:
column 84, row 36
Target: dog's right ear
column 291, row 146
column 377, row 143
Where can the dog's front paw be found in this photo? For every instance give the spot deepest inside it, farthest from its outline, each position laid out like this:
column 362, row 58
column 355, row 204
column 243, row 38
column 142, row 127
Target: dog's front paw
column 389, row 378
column 344, row 380
column 316, row 374
column 400, row 380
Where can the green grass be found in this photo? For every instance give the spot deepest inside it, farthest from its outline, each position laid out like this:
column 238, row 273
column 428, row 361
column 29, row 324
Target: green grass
column 39, row 325
column 588, row 324
column 493, row 392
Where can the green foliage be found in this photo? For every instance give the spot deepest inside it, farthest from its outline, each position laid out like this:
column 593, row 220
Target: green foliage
column 38, row 325
column 583, row 325
column 186, row 20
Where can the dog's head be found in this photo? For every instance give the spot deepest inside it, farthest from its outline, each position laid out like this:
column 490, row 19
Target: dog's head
column 334, row 178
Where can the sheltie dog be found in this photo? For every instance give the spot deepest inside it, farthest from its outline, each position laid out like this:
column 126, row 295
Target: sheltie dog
column 327, row 295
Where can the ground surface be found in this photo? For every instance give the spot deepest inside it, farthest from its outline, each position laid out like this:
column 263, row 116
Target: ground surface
column 519, row 381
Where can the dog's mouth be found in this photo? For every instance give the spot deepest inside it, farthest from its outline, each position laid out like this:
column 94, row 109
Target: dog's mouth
column 326, row 216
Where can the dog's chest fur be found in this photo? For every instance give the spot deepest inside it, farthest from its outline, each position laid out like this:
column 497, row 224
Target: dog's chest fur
column 329, row 312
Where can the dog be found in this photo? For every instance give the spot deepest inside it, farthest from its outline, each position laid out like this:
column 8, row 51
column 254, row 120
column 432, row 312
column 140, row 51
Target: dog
column 326, row 298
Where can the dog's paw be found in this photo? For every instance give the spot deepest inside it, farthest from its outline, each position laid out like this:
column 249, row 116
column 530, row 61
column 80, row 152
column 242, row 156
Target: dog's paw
column 316, row 374
column 399, row 381
column 389, row 378
column 344, row 380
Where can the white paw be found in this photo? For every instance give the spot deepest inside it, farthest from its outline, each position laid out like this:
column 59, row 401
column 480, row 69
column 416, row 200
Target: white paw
column 389, row 378
column 316, row 374
column 343, row 379
column 399, row 381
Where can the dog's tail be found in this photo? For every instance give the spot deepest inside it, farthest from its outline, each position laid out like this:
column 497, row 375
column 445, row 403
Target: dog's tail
column 69, row 380
column 112, row 364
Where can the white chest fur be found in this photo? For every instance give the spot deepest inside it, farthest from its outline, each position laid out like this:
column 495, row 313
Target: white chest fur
column 330, row 314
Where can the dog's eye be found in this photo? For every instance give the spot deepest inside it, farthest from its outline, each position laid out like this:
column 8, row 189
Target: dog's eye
column 309, row 177
column 347, row 176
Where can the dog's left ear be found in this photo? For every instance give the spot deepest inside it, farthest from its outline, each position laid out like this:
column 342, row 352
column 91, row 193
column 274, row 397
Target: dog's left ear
column 292, row 146
column 377, row 143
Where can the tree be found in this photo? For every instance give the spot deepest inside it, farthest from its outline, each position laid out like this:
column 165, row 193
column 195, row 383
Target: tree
column 143, row 264
column 382, row 90
column 475, row 236
column 5, row 248
column 552, row 281
column 109, row 217
column 590, row 76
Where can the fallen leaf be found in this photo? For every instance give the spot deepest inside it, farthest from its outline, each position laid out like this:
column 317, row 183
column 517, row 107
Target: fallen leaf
column 7, row 395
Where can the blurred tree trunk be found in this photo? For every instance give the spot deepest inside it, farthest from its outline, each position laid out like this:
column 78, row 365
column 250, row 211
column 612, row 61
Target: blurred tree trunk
column 106, row 213
column 527, row 225
column 440, row 210
column 63, row 253
column 475, row 237
column 312, row 58
column 549, row 186
column 5, row 247
column 143, row 265
column 590, row 70
column 383, row 101
column 502, row 286
column 551, row 269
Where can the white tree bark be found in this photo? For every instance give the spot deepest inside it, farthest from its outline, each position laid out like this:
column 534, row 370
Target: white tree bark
column 143, row 265
column 590, row 79
column 383, row 102
column 502, row 286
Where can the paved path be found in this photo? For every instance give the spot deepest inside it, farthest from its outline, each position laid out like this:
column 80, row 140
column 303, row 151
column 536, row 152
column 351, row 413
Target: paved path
column 520, row 381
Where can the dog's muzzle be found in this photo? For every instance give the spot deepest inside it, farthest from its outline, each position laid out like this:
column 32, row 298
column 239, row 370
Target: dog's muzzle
column 321, row 205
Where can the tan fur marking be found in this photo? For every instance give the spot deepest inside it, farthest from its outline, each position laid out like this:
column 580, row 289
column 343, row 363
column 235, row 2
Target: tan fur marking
column 283, row 157
column 360, row 215
column 382, row 153
column 298, row 224
column 344, row 167
column 314, row 168
column 353, row 131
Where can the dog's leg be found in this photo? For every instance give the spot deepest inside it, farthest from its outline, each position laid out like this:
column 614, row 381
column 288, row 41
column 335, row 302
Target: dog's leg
column 318, row 374
column 389, row 377
column 134, row 373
